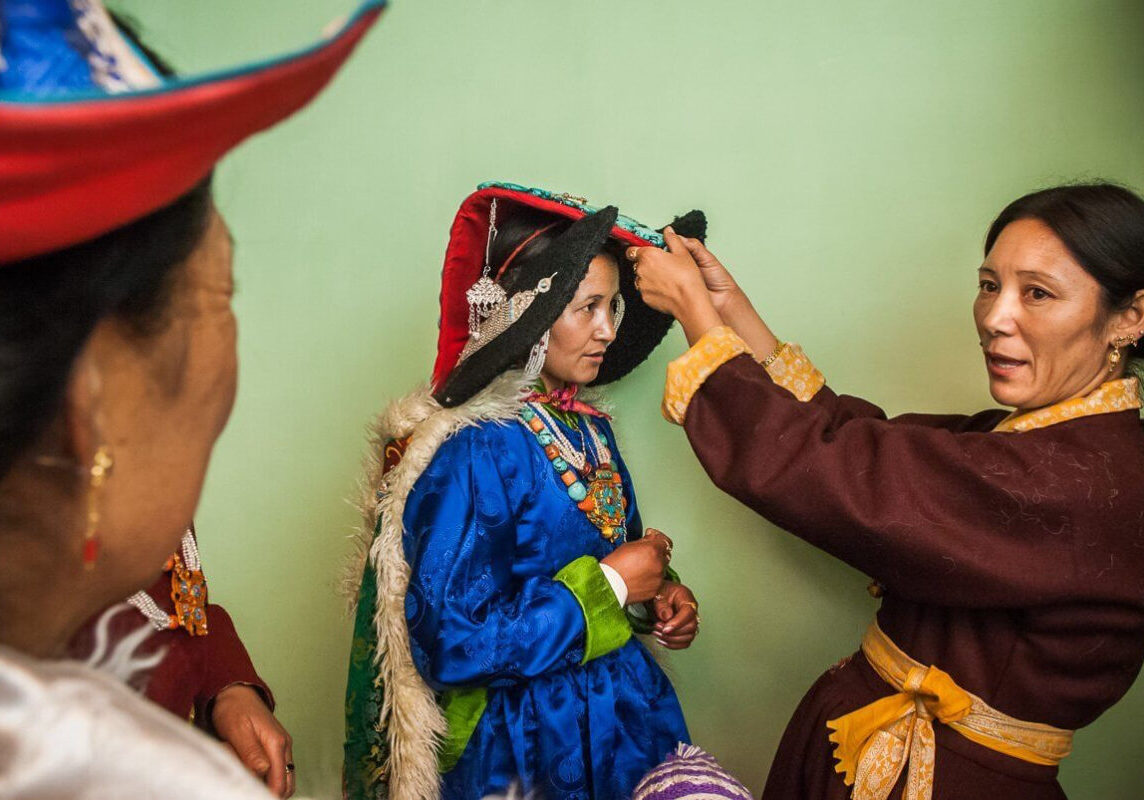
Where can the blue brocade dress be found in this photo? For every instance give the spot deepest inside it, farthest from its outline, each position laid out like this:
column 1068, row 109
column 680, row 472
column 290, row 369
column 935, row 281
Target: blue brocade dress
column 488, row 524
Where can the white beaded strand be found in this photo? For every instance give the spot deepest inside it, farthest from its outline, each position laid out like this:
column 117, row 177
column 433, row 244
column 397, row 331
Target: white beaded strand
column 577, row 458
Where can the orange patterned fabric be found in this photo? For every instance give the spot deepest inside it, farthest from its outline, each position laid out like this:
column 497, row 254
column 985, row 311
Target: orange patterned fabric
column 793, row 371
column 876, row 742
column 790, row 368
column 189, row 594
column 688, row 372
column 1118, row 395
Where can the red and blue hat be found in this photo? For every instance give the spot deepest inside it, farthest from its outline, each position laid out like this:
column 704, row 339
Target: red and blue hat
column 458, row 375
column 93, row 136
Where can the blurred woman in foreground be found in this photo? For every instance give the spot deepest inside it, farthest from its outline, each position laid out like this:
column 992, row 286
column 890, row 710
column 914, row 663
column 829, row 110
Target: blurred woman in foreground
column 117, row 374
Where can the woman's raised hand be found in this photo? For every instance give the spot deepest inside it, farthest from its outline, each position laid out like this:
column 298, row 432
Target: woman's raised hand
column 641, row 564
column 670, row 281
column 732, row 307
column 719, row 282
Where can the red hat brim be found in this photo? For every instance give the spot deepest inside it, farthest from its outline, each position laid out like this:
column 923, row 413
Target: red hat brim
column 464, row 261
column 73, row 169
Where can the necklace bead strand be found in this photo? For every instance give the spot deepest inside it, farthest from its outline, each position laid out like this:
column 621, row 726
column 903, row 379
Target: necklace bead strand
column 601, row 498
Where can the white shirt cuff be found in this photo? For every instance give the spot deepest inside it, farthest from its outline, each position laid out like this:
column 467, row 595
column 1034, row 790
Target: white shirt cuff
column 618, row 585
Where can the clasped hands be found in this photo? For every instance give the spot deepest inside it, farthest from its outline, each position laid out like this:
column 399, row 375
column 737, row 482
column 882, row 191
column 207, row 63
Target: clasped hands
column 642, row 564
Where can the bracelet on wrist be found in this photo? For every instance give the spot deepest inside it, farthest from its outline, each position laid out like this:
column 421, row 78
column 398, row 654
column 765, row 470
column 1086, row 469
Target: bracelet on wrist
column 766, row 362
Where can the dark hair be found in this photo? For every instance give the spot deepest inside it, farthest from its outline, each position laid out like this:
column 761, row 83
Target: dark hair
column 50, row 304
column 515, row 223
column 1102, row 225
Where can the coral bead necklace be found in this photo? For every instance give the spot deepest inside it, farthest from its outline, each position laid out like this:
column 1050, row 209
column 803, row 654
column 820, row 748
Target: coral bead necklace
column 596, row 490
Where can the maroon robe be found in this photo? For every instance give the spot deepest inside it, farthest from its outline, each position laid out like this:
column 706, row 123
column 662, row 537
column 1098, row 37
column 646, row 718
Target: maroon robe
column 1013, row 561
column 195, row 668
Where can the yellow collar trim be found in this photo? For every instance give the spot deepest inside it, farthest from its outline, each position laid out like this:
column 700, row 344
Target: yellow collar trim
column 1118, row 395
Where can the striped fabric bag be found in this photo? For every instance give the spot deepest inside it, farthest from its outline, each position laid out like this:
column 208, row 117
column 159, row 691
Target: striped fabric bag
column 690, row 774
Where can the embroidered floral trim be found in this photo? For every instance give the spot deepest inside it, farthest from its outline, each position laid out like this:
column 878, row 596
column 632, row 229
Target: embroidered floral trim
column 793, row 371
column 789, row 368
column 877, row 742
column 1110, row 397
column 688, row 372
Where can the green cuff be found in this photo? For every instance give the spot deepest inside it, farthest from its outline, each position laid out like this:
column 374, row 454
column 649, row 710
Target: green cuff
column 606, row 626
column 463, row 709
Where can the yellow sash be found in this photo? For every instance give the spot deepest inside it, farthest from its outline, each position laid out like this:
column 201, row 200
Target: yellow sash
column 874, row 743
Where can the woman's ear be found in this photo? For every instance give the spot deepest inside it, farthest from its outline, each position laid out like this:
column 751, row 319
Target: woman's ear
column 82, row 423
column 1129, row 322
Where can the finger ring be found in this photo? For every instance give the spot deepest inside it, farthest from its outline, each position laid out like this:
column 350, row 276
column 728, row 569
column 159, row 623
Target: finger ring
column 289, row 766
column 659, row 597
column 693, row 605
column 633, row 253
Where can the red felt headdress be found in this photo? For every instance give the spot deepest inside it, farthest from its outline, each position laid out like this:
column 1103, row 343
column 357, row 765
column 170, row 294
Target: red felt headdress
column 465, row 256
column 75, row 165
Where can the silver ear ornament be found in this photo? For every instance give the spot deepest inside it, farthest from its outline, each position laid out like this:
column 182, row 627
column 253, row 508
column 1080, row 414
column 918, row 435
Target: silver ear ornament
column 618, row 314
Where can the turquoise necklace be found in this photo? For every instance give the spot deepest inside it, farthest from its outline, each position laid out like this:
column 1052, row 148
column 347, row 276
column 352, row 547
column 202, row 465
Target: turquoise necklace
column 597, row 491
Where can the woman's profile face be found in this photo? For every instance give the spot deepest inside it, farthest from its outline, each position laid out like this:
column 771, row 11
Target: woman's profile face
column 163, row 403
column 582, row 334
column 1041, row 320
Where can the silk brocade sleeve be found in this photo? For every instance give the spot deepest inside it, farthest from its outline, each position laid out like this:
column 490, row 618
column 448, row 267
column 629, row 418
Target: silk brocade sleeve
column 472, row 621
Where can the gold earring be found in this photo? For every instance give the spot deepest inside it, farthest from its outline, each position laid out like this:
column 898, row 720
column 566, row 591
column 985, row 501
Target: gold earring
column 100, row 468
column 1113, row 358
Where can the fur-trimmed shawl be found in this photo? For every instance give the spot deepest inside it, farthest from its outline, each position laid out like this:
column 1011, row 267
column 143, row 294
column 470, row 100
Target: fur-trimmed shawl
column 410, row 714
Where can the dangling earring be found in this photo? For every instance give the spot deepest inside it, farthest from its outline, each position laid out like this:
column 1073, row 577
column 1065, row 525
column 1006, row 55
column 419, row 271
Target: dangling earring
column 1114, row 356
column 618, row 314
column 536, row 358
column 100, row 468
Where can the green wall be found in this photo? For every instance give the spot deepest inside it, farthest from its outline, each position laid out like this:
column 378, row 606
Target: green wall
column 849, row 156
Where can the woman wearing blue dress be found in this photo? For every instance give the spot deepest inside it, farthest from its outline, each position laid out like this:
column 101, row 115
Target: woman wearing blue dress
column 507, row 563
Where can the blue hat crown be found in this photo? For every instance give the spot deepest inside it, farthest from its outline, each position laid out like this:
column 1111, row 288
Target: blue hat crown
column 64, row 47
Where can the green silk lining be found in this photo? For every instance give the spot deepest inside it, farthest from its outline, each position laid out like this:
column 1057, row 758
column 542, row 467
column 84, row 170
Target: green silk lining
column 606, row 627
column 463, row 709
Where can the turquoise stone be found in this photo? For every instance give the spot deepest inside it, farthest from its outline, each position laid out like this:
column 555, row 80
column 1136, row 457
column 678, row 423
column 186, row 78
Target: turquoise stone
column 559, row 464
column 545, row 438
column 527, row 413
column 578, row 491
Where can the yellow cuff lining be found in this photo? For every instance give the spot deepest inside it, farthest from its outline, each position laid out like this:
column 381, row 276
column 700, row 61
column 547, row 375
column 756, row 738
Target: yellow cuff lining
column 793, row 371
column 789, row 367
column 688, row 372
